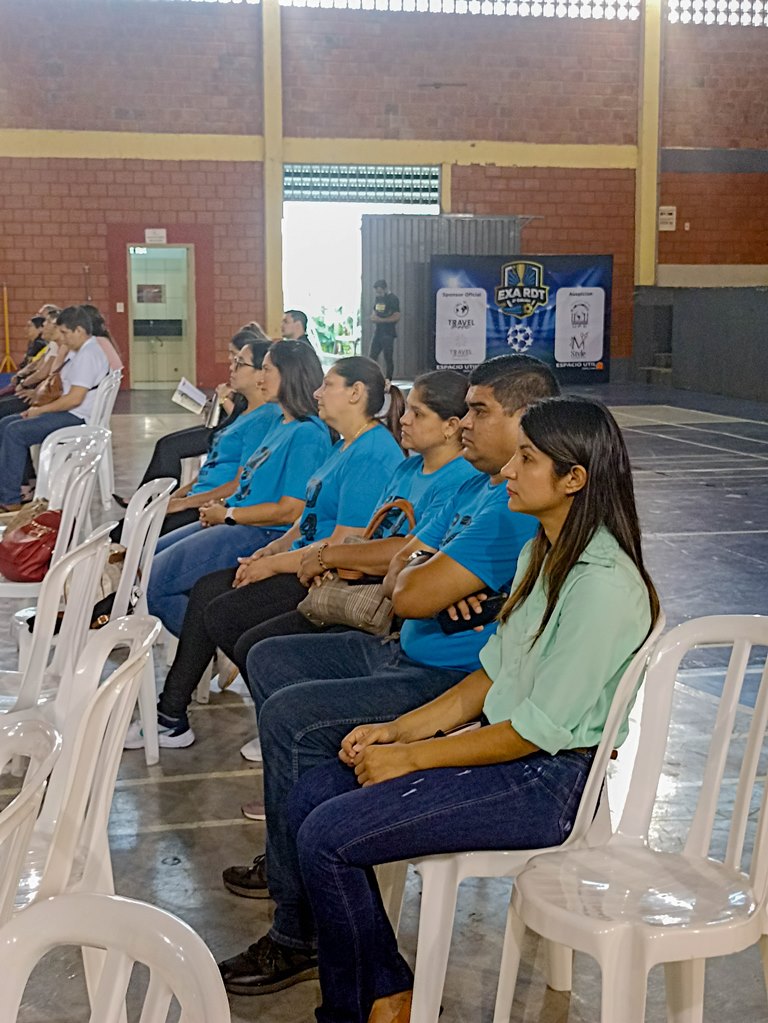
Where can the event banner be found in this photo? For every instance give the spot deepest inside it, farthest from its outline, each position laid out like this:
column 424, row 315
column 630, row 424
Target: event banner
column 557, row 308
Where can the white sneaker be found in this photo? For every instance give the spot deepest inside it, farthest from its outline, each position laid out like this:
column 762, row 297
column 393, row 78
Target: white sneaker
column 252, row 750
column 176, row 736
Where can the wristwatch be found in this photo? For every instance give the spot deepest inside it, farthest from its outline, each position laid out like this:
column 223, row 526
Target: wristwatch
column 415, row 555
column 229, row 517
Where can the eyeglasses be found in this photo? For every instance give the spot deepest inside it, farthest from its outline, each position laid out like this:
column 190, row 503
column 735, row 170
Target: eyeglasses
column 237, row 362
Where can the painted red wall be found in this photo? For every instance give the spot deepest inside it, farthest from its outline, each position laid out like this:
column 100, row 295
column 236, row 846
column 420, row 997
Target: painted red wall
column 57, row 215
column 430, row 76
column 577, row 211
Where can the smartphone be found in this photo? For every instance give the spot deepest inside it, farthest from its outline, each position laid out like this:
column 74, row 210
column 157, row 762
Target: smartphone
column 490, row 609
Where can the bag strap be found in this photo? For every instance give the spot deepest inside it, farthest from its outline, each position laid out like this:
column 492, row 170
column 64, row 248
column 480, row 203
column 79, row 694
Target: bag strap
column 380, row 515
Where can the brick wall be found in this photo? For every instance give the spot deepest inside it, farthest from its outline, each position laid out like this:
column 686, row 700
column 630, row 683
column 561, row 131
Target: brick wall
column 56, row 215
column 715, row 87
column 728, row 217
column 373, row 75
column 127, row 66
column 582, row 211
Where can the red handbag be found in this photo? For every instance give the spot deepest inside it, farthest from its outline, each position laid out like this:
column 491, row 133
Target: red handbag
column 26, row 551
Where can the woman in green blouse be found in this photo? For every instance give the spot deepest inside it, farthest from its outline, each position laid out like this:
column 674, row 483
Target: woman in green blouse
column 581, row 604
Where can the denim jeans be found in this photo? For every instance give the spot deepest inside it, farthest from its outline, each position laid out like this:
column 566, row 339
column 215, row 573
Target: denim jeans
column 342, row 831
column 187, row 554
column 309, row 692
column 17, row 436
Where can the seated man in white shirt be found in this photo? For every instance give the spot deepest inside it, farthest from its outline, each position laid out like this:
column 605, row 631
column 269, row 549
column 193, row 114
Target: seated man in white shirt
column 84, row 368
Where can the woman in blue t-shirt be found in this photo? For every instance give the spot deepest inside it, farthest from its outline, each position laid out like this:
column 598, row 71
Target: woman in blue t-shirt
column 582, row 604
column 341, row 497
column 231, row 442
column 270, row 491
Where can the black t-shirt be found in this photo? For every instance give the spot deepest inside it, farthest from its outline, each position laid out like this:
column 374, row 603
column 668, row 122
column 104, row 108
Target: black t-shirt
column 386, row 306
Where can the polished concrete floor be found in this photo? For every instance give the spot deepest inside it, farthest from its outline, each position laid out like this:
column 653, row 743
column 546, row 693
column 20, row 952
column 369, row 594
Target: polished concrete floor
column 701, row 465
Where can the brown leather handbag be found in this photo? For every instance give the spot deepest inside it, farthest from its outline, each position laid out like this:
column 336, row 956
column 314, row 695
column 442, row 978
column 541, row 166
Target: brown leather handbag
column 48, row 390
column 339, row 600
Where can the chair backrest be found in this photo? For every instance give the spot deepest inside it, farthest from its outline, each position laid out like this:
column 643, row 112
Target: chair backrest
column 141, row 529
column 56, row 451
column 53, row 660
column 40, row 744
column 626, row 691
column 739, row 633
column 106, row 394
column 76, row 808
column 76, row 502
column 180, row 964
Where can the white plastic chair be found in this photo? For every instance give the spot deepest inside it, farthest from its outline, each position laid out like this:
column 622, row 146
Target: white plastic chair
column 632, row 907
column 49, row 658
column 106, row 395
column 70, row 491
column 69, row 848
column 141, row 529
column 441, row 875
column 40, row 744
column 180, row 965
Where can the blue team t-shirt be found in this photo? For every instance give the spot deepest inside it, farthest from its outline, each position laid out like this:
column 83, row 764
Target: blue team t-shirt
column 427, row 492
column 343, row 491
column 478, row 531
column 233, row 445
column 282, row 465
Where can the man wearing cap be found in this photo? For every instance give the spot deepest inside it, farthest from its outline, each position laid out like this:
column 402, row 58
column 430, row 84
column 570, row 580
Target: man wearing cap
column 386, row 313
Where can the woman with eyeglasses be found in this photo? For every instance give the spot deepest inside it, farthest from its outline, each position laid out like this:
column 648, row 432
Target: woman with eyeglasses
column 269, row 494
column 193, row 441
column 232, row 443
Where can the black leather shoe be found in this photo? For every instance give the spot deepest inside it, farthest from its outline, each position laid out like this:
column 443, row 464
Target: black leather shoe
column 266, row 967
column 250, row 881
column 121, row 501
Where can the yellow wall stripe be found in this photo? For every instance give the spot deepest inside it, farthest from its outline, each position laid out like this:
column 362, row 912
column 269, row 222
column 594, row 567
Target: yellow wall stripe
column 273, row 163
column 105, row 145
column 128, row 145
column 647, row 178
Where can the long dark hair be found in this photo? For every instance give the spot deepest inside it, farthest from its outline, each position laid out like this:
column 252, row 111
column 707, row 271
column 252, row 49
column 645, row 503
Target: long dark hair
column 580, row 431
column 360, row 369
column 444, row 391
column 100, row 328
column 300, row 376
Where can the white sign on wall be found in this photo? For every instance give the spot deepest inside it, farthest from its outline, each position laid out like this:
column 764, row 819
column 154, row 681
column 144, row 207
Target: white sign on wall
column 155, row 236
column 460, row 326
column 579, row 325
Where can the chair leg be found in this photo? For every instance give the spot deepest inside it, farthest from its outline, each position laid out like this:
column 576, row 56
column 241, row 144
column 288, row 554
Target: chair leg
column 24, row 637
column 106, row 478
column 148, row 714
column 625, row 982
column 685, row 991
column 764, row 957
column 391, row 879
column 510, row 964
column 559, row 966
column 438, row 908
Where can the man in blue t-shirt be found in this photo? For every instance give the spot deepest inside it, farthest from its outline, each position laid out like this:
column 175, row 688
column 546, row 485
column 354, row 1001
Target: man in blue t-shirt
column 311, row 690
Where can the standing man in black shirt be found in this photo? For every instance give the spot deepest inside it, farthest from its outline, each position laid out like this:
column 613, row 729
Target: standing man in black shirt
column 386, row 313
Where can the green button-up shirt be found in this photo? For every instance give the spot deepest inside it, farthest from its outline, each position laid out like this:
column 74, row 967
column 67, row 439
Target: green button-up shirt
column 557, row 694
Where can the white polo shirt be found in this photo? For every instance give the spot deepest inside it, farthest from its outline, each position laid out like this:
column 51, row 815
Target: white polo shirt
column 85, row 368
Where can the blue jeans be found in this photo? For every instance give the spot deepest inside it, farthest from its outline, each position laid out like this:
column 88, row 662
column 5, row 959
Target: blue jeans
column 17, row 436
column 189, row 553
column 343, row 830
column 309, row 692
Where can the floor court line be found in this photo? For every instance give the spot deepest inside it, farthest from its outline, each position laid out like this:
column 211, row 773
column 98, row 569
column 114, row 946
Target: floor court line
column 709, row 447
column 707, row 532
column 133, row 783
column 158, row 829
